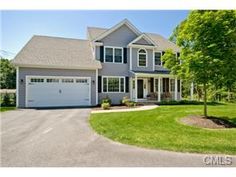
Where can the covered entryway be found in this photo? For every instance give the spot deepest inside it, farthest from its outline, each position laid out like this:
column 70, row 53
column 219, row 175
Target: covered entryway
column 51, row 91
column 140, row 88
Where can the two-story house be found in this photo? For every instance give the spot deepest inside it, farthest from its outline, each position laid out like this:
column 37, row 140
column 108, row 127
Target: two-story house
column 115, row 62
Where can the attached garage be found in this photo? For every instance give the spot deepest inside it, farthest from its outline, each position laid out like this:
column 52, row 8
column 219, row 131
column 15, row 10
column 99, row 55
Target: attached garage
column 48, row 91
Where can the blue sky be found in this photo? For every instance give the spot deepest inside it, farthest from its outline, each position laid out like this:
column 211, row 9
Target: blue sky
column 19, row 26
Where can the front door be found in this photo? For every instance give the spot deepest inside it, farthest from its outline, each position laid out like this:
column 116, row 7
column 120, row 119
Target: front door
column 140, row 88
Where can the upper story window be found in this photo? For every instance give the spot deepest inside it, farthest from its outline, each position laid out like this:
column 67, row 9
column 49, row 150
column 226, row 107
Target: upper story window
column 157, row 58
column 142, row 58
column 108, row 54
column 113, row 54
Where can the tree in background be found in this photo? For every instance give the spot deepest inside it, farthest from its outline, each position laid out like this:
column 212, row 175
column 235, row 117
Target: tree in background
column 208, row 50
column 7, row 74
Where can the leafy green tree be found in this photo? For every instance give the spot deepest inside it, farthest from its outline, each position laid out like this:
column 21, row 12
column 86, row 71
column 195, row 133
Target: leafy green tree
column 7, row 75
column 207, row 40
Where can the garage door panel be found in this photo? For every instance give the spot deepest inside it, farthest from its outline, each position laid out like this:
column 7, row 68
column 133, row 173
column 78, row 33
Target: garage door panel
column 61, row 93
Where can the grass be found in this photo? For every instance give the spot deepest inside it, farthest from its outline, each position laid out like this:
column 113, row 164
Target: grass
column 160, row 129
column 3, row 109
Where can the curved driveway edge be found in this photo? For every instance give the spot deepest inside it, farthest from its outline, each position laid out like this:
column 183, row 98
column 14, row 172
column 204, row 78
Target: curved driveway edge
column 142, row 108
column 64, row 138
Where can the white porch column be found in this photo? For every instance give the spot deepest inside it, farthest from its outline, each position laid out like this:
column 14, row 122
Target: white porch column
column 176, row 89
column 136, row 89
column 159, row 89
column 191, row 91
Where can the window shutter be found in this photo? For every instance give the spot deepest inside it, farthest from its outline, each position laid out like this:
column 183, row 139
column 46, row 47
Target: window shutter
column 99, row 84
column 101, row 54
column 125, row 55
column 152, row 82
column 126, row 84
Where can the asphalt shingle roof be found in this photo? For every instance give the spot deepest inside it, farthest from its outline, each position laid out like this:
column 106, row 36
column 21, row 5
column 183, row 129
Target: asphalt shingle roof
column 161, row 42
column 57, row 52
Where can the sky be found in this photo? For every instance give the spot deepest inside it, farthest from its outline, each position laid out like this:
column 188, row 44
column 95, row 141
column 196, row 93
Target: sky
column 17, row 27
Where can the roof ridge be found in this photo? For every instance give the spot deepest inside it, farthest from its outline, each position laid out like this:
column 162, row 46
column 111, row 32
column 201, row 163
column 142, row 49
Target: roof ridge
column 60, row 37
column 97, row 27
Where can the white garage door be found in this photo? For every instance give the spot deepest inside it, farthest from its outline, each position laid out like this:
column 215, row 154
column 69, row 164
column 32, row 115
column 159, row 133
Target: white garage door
column 57, row 91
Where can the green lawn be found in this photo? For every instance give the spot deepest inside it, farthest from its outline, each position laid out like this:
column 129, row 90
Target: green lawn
column 3, row 109
column 160, row 129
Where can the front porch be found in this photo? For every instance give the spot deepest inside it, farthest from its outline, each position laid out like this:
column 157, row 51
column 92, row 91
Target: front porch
column 155, row 88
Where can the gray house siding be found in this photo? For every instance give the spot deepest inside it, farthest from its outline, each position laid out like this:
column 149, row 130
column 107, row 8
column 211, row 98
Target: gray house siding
column 143, row 42
column 120, row 38
column 135, row 66
column 23, row 72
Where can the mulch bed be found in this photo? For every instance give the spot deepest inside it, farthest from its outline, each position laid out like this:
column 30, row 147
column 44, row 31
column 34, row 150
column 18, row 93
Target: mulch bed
column 116, row 107
column 209, row 122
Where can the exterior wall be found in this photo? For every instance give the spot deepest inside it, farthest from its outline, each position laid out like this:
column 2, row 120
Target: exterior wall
column 120, row 38
column 135, row 60
column 23, row 72
column 142, row 41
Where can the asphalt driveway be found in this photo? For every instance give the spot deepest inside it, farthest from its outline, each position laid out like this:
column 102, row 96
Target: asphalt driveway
column 63, row 137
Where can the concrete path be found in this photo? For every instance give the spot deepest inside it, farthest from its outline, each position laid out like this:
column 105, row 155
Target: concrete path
column 142, row 108
column 63, row 138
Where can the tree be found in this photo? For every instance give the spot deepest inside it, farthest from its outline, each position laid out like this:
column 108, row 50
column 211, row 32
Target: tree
column 208, row 54
column 7, row 75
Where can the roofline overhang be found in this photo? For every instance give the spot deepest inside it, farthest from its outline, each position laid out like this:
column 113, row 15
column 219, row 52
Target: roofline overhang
column 55, row 66
column 142, row 46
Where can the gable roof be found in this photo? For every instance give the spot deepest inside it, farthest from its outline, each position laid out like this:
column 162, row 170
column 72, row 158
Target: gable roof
column 161, row 42
column 112, row 29
column 56, row 52
column 145, row 37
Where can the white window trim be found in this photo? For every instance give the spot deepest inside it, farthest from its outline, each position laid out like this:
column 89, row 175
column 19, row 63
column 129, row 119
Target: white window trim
column 154, row 57
column 113, row 53
column 146, row 58
column 119, row 83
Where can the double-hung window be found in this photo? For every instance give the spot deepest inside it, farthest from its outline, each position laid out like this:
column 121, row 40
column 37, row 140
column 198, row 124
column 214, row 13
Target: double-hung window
column 108, row 54
column 142, row 58
column 157, row 58
column 113, row 84
column 114, row 54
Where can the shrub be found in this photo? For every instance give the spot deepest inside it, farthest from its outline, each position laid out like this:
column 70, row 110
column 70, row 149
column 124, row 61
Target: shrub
column 106, row 100
column 8, row 99
column 105, row 106
column 185, row 102
column 125, row 100
column 131, row 104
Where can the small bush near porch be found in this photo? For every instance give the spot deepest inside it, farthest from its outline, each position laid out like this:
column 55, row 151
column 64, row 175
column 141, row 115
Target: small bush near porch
column 161, row 129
